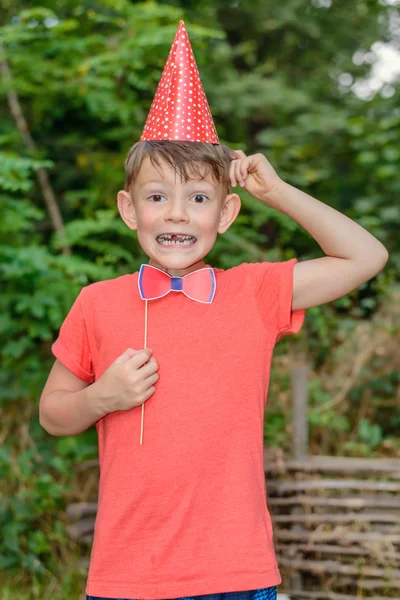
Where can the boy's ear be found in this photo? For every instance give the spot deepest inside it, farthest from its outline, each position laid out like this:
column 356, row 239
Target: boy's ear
column 127, row 209
column 229, row 211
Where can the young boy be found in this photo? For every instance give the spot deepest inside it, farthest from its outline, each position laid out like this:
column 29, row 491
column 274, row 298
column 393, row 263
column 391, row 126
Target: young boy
column 182, row 509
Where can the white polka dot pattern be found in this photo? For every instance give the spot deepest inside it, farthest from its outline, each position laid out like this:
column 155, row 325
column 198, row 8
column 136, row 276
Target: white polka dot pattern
column 180, row 109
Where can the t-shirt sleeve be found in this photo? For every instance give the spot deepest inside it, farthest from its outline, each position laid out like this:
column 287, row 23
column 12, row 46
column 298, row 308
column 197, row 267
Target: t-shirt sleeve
column 274, row 294
column 71, row 347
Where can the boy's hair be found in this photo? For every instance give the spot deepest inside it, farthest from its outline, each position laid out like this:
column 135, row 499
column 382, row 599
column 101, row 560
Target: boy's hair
column 188, row 159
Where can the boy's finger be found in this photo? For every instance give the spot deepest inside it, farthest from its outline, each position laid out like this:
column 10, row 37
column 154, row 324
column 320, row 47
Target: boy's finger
column 237, row 154
column 232, row 174
column 238, row 171
column 244, row 170
column 141, row 358
column 129, row 352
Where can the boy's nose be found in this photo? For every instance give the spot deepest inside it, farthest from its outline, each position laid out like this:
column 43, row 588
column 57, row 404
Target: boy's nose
column 176, row 211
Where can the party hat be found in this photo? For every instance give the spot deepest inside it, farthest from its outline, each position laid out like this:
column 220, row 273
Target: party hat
column 180, row 109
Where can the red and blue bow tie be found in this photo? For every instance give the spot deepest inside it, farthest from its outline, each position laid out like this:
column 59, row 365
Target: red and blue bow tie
column 199, row 285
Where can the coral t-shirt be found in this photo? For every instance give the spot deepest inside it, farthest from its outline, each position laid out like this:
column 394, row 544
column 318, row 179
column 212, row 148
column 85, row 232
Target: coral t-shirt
column 185, row 513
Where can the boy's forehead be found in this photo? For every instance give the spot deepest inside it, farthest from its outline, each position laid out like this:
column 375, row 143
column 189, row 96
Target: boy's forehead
column 164, row 172
column 148, row 171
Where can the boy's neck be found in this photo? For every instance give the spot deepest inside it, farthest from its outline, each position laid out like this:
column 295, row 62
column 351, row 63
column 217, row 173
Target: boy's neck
column 179, row 272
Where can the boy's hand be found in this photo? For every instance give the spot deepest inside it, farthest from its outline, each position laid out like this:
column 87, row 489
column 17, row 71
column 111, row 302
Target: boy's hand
column 254, row 173
column 129, row 380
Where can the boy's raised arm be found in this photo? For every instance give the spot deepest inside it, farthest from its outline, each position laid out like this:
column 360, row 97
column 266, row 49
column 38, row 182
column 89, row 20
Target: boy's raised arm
column 353, row 255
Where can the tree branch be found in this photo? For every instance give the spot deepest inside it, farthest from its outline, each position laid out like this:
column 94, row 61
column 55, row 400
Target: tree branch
column 22, row 126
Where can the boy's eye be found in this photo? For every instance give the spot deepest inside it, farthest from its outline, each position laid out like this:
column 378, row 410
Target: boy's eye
column 199, row 198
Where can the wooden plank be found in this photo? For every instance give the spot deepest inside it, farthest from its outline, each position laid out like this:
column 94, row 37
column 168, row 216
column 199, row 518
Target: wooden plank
column 390, row 575
column 326, row 595
column 371, row 552
column 384, row 529
column 352, row 502
column 299, row 417
column 366, row 517
column 289, row 485
column 340, row 533
column 78, row 530
column 366, row 584
column 77, row 510
column 340, row 464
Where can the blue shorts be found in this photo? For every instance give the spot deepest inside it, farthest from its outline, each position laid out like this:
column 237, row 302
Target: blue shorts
column 261, row 594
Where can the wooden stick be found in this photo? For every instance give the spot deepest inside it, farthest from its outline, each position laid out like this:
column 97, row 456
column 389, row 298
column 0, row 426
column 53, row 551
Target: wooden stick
column 338, row 550
column 354, row 502
column 22, row 126
column 325, row 595
column 340, row 464
column 330, row 566
column 347, row 517
column 331, row 484
column 341, row 534
column 368, row 584
column 145, row 346
column 300, row 422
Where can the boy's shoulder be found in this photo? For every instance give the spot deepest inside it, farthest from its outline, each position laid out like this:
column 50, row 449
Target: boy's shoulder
column 108, row 287
column 262, row 274
column 246, row 269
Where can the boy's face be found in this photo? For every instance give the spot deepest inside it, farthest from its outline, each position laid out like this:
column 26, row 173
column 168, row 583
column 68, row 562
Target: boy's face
column 161, row 203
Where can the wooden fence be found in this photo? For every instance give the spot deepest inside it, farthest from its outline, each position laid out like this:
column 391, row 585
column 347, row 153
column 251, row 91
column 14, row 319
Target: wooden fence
column 336, row 520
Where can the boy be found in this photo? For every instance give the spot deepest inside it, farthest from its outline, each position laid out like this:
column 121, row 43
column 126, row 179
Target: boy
column 184, row 513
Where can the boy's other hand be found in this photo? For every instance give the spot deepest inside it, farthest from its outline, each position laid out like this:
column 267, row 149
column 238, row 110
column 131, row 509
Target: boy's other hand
column 253, row 173
column 129, row 380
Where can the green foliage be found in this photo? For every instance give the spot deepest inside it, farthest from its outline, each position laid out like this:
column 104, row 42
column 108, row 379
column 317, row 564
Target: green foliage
column 369, row 436
column 85, row 74
column 36, row 484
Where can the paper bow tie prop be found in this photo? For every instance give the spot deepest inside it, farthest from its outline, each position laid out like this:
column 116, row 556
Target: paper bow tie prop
column 180, row 109
column 199, row 285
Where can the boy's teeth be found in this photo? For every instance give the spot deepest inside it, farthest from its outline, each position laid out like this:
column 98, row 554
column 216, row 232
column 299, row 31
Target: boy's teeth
column 176, row 243
column 183, row 240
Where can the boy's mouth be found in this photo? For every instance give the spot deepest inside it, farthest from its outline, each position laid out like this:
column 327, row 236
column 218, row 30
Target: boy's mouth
column 176, row 240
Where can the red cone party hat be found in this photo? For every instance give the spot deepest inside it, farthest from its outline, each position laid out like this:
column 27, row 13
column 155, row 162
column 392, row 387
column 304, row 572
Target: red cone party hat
column 180, row 109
